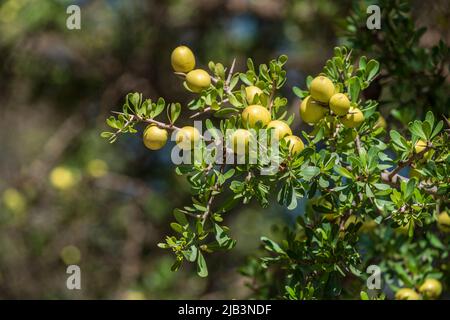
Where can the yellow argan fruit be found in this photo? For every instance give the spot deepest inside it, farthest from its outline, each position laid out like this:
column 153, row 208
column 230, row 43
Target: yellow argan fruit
column 443, row 222
column 280, row 129
column 182, row 59
column 97, row 168
column 198, row 80
column 70, row 255
column 381, row 123
column 431, row 288
column 240, row 139
column 420, row 146
column 353, row 118
column 250, row 93
column 321, row 89
column 14, row 200
column 407, row 294
column 311, row 111
column 134, row 295
column 295, row 144
column 63, row 178
column 187, row 137
column 154, row 138
column 254, row 113
column 339, row 104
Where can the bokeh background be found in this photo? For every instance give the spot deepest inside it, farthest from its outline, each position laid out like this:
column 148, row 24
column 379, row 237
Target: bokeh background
column 69, row 197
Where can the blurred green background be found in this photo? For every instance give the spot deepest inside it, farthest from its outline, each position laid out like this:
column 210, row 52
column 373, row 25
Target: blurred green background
column 69, row 197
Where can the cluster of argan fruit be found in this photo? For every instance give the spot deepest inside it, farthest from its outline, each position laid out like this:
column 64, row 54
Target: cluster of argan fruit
column 324, row 98
column 197, row 80
column 430, row 289
column 183, row 61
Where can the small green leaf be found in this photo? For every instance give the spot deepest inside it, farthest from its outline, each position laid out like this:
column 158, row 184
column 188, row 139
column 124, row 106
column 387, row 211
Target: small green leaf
column 175, row 226
column 362, row 62
column 344, row 172
column 176, row 265
column 437, row 129
column 364, row 295
column 310, row 172
column 227, row 175
column 180, row 217
column 175, row 110
column 382, row 186
column 192, row 254
column 106, row 134
column 202, row 268
column 250, row 64
column 111, row 121
column 354, row 88
column 272, row 246
column 416, row 129
column 372, row 69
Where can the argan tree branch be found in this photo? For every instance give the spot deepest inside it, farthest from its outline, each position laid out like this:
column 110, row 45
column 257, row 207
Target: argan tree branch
column 405, row 163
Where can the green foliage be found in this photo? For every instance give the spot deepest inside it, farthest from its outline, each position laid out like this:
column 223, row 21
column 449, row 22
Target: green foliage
column 413, row 77
column 350, row 176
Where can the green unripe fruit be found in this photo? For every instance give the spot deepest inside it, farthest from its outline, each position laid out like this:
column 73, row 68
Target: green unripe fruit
column 339, row 104
column 198, row 80
column 182, row 59
column 240, row 139
column 431, row 288
column 14, row 200
column 321, row 89
column 353, row 118
column 154, row 138
column 280, row 129
column 443, row 222
column 295, row 144
column 407, row 294
column 187, row 137
column 70, row 255
column 254, row 113
column 251, row 92
column 310, row 111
